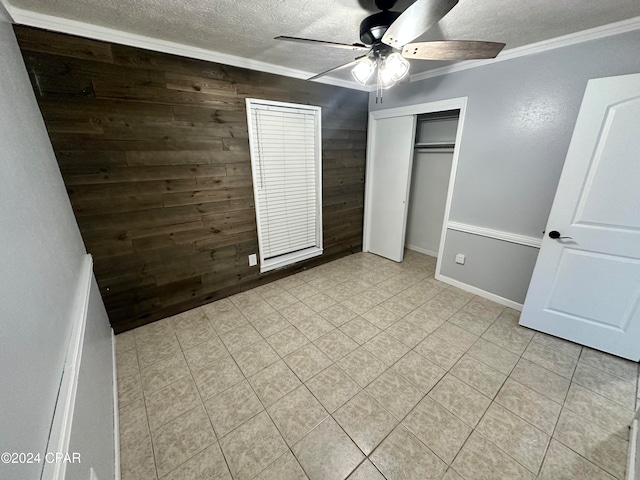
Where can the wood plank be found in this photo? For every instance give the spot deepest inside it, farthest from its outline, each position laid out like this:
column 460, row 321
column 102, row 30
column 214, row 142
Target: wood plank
column 47, row 42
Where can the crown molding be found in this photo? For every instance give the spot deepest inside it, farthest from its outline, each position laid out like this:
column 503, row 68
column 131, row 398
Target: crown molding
column 72, row 27
column 596, row 33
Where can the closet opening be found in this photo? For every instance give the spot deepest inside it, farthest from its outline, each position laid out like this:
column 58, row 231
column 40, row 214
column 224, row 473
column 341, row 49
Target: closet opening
column 435, row 138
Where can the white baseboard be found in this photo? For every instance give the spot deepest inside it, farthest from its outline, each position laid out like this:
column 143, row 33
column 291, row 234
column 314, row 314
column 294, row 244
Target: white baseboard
column 60, row 434
column 481, row 293
column 431, row 253
column 116, row 409
column 633, row 449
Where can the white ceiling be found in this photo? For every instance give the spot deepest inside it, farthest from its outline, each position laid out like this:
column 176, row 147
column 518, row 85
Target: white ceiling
column 245, row 28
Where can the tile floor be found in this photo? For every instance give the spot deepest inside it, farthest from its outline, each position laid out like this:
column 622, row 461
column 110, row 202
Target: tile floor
column 368, row 370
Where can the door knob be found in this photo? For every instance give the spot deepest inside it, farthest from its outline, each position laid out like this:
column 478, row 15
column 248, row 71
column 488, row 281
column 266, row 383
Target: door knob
column 556, row 235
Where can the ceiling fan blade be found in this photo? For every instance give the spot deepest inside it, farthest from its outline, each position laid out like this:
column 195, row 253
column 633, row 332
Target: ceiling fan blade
column 354, row 46
column 416, row 20
column 452, row 50
column 335, row 69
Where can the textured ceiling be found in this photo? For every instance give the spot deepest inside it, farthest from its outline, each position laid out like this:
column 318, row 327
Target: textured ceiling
column 246, row 28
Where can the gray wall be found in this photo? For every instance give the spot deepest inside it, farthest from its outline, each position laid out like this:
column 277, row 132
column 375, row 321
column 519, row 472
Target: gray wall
column 40, row 261
column 519, row 120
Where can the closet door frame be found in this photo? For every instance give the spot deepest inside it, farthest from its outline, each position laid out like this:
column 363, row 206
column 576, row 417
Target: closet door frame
column 460, row 104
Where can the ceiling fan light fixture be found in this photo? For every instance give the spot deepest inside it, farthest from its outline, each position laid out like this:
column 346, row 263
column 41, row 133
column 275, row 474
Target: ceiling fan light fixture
column 396, row 65
column 386, row 77
column 363, row 70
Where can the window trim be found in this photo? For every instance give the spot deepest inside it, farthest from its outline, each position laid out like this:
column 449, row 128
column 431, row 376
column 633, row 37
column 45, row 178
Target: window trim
column 268, row 264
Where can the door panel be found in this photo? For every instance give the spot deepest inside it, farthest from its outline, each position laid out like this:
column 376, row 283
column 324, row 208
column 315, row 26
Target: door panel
column 388, row 193
column 586, row 288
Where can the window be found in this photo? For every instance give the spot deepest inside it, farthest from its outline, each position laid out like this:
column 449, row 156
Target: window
column 286, row 155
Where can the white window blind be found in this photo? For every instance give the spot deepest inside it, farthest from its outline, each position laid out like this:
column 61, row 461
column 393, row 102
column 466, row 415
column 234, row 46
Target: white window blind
column 287, row 178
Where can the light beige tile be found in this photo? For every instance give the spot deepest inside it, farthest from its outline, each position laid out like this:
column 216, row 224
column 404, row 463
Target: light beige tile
column 340, row 292
column 460, row 399
column 204, row 354
column 288, row 340
column 565, row 347
column 365, row 421
column 280, row 299
column 608, row 415
column 313, row 326
column 179, row 440
column 398, row 306
column 257, row 310
column 541, row 380
column 127, row 363
column 154, row 348
column 419, row 371
column 171, row 401
column 335, row 344
column 270, row 324
column 440, row 307
column 439, row 352
column 338, row 314
column 380, row 317
column 455, row 335
column 550, row 359
column 207, row 464
column 244, row 299
column 419, row 293
column 451, row 475
column 360, row 330
column 153, row 331
column 358, row 303
column 285, row 467
column 521, row 440
column 129, row 389
column 437, row 428
column 327, row 281
column 605, row 449
column 470, row 322
column 362, row 366
column 296, row 311
column 232, row 408
column 274, row 382
column 303, row 291
column 394, row 393
column 376, row 294
column 256, row 357
column 386, row 348
column 619, row 367
column 562, row 463
column 289, row 282
column 124, row 342
column 240, row 337
column 494, row 356
column 133, row 423
column 514, row 339
column 401, row 456
column 136, row 461
column 366, row 471
column 326, row 453
column 307, row 361
column 455, row 296
column 192, row 328
column 614, row 388
column 480, row 459
column 296, row 414
column 319, row 302
column 533, row 407
column 425, row 320
column 163, row 373
column 217, row 377
column 252, row 447
column 407, row 332
column 398, row 283
column 224, row 316
column 482, row 308
column 478, row 375
column 332, row 387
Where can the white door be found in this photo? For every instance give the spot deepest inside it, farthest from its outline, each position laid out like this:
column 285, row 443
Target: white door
column 586, row 288
column 389, row 164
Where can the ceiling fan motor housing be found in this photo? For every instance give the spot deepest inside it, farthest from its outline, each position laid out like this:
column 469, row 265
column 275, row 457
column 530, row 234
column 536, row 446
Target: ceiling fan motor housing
column 373, row 27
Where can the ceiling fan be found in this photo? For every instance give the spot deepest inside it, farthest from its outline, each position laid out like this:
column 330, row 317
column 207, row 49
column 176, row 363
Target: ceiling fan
column 386, row 38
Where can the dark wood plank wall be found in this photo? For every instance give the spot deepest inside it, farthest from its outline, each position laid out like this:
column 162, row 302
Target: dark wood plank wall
column 154, row 152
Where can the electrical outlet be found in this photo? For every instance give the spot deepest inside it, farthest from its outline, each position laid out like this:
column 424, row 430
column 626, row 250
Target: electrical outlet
column 253, row 260
column 460, row 258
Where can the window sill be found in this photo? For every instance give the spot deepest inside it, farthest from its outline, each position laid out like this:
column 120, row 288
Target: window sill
column 289, row 258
